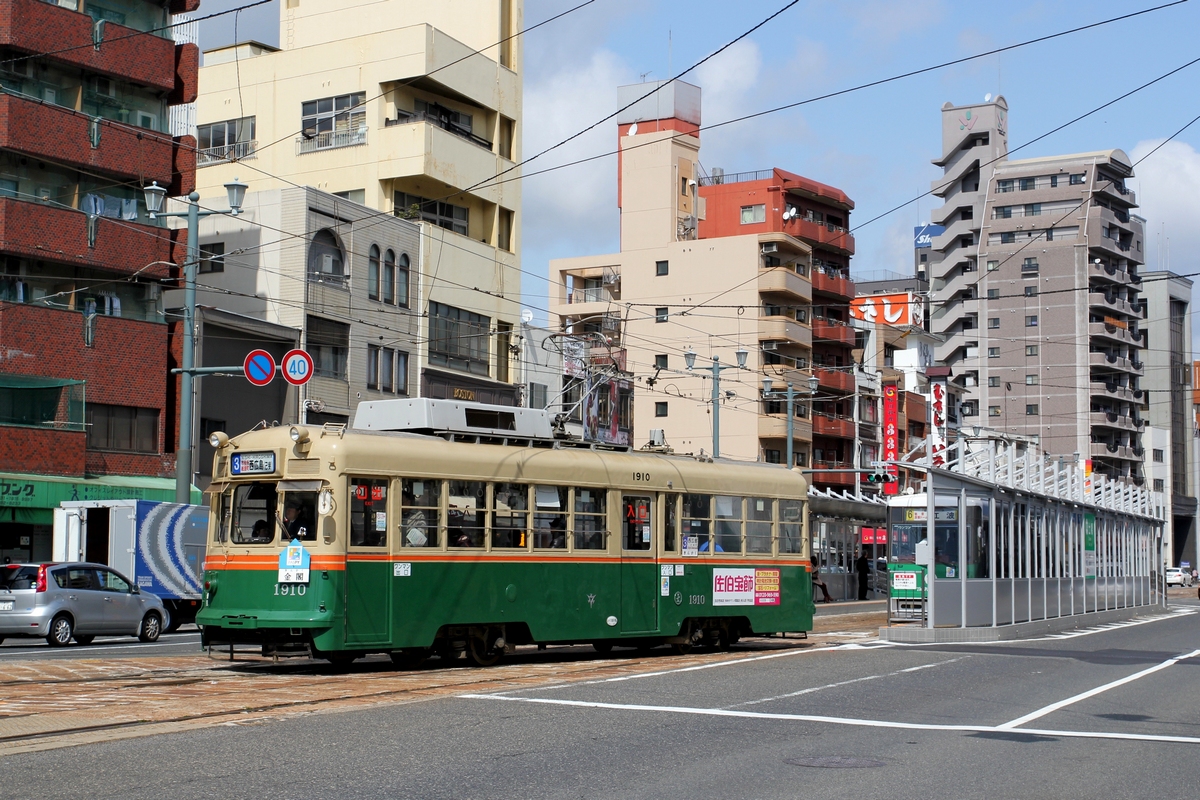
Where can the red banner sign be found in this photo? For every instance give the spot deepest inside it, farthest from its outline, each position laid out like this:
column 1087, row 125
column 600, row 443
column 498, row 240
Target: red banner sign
column 891, row 436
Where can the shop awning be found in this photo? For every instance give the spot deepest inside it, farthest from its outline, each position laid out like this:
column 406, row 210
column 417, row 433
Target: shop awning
column 31, row 499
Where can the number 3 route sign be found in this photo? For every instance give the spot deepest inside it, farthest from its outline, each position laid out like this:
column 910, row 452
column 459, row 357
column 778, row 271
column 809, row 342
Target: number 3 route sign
column 297, row 367
column 259, row 367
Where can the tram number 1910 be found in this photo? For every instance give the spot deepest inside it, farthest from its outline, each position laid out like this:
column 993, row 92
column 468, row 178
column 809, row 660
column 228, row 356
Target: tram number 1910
column 641, row 476
column 285, row 589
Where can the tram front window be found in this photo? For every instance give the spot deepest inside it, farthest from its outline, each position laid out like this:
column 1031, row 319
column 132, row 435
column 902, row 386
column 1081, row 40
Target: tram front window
column 299, row 516
column 254, row 509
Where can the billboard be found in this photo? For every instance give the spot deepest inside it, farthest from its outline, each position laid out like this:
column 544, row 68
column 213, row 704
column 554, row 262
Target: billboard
column 891, row 439
column 901, row 309
column 923, row 235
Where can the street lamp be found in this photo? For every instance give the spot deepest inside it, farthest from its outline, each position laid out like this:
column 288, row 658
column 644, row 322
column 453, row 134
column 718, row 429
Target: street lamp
column 155, row 197
column 813, row 382
column 689, row 360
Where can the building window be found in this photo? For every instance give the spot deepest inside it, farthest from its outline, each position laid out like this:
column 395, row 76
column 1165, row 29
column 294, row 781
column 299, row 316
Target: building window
column 1029, row 265
column 660, row 408
column 993, row 352
column 122, row 428
column 1031, row 409
column 505, row 229
column 328, row 342
column 993, row 322
column 538, row 394
column 1008, row 238
column 661, row 314
column 219, row 142
column 924, row 257
column 969, row 409
column 373, row 366
column 1159, row 485
column 752, row 214
column 1031, row 321
column 993, row 411
column 1033, row 210
column 387, row 283
column 334, row 121
column 660, row 361
column 503, row 350
column 1077, row 180
column 373, row 273
column 772, row 456
column 326, row 264
column 1031, row 291
column 445, row 215
column 1003, row 212
column 212, row 257
column 661, row 268
column 993, row 294
column 1004, row 186
column 1028, row 183
column 459, row 339
column 683, row 186
column 992, row 266
column 1053, row 181
column 402, row 281
column 1158, row 456
column 1031, row 349
column 387, row 370
column 993, row 381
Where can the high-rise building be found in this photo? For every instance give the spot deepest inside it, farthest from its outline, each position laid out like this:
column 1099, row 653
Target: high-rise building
column 87, row 410
column 1035, row 288
column 411, row 109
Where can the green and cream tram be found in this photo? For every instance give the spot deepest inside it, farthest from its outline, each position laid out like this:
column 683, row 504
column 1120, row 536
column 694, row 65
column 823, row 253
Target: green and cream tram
column 440, row 527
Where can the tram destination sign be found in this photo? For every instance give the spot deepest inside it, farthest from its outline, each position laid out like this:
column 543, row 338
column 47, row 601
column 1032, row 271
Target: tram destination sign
column 252, row 464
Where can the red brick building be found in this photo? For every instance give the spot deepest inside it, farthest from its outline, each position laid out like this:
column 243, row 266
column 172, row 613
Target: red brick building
column 818, row 215
column 87, row 403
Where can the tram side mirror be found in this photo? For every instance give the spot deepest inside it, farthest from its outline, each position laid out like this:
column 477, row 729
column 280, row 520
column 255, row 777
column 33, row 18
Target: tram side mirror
column 924, row 553
column 328, row 530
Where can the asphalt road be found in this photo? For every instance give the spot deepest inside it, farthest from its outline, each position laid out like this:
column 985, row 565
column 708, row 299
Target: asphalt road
column 1107, row 713
column 184, row 642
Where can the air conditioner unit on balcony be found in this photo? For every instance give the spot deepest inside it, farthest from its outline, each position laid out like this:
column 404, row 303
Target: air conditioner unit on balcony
column 104, row 86
column 770, row 347
column 770, row 247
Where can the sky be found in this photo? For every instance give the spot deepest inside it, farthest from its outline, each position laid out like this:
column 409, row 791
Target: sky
column 875, row 144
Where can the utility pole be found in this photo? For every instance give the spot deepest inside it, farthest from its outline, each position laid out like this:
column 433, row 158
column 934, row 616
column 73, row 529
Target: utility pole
column 689, row 359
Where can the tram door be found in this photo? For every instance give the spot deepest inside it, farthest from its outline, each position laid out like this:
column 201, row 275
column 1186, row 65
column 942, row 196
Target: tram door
column 368, row 570
column 639, row 565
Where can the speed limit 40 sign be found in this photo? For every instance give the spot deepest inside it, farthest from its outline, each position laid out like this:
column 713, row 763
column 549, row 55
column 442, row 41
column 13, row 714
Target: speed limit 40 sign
column 297, row 367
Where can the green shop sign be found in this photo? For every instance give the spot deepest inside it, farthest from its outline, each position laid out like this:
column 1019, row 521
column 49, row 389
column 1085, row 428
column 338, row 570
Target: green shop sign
column 43, row 492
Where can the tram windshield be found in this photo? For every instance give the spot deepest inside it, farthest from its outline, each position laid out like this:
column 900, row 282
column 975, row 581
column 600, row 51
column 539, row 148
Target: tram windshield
column 257, row 518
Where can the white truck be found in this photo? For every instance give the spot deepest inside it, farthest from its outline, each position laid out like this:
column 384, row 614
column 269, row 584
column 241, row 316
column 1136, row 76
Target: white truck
column 159, row 546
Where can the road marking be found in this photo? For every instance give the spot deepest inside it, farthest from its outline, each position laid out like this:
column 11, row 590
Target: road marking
column 846, row 683
column 46, row 649
column 865, row 723
column 1041, row 712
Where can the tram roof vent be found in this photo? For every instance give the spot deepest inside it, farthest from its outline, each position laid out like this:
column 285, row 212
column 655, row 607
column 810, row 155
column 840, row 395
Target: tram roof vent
column 426, row 415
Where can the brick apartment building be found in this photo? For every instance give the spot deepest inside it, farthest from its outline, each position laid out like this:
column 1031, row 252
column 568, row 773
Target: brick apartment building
column 87, row 406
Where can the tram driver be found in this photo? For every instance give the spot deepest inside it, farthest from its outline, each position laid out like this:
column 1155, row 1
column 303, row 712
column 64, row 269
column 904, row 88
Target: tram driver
column 299, row 515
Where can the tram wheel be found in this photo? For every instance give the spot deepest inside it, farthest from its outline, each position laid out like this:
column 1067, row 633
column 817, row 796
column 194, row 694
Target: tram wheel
column 409, row 659
column 341, row 661
column 604, row 648
column 682, row 649
column 725, row 639
column 481, row 653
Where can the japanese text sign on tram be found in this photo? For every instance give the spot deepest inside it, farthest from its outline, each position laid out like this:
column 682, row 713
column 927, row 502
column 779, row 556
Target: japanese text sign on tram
column 259, row 367
column 293, row 563
column 297, row 367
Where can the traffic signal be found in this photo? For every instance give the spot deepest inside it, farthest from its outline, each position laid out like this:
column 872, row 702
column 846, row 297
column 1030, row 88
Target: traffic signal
column 881, row 476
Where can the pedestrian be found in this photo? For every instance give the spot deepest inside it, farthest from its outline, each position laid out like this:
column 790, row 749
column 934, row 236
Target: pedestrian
column 862, row 565
column 818, row 583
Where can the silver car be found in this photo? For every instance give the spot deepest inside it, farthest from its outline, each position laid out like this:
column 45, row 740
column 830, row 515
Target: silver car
column 75, row 600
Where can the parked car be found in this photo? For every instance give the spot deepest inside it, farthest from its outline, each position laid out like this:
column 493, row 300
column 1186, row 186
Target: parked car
column 1176, row 577
column 75, row 600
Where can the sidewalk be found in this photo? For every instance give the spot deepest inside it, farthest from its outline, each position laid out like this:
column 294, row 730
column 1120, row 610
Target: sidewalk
column 838, row 607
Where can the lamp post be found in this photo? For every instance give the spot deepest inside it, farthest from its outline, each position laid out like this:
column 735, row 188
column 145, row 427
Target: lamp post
column 155, row 196
column 689, row 360
column 813, row 382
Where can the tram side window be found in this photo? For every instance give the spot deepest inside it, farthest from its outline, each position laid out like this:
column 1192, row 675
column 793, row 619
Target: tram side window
column 791, row 521
column 299, row 516
column 672, row 521
column 510, row 515
column 222, row 511
column 368, row 512
column 550, row 517
column 697, row 521
column 466, row 513
column 758, row 525
column 420, row 512
column 590, row 521
column 253, row 514
column 729, row 524
column 635, row 514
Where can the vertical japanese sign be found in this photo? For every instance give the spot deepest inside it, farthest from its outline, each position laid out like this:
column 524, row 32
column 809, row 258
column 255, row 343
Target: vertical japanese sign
column 891, row 440
column 937, row 388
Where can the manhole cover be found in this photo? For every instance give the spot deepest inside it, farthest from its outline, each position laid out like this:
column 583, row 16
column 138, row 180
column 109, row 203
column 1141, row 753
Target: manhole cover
column 835, row 762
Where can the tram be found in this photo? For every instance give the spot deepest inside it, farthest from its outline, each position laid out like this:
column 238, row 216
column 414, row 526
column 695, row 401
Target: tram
column 447, row 528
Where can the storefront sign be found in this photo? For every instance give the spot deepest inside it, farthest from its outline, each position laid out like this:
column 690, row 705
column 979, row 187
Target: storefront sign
column 901, row 309
column 938, row 431
column 464, row 394
column 891, row 437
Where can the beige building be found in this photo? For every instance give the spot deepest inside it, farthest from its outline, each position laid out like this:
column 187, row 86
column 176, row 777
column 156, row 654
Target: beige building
column 387, row 104
column 638, row 300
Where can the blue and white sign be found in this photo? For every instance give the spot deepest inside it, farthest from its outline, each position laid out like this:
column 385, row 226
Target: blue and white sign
column 297, row 367
column 923, row 235
column 252, row 463
column 293, row 563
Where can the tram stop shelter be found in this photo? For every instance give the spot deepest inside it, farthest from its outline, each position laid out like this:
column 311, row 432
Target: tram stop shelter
column 1010, row 543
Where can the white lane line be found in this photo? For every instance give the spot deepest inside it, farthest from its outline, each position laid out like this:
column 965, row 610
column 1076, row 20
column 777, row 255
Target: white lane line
column 1041, row 712
column 107, row 648
column 848, row 682
column 1178, row 612
column 865, row 723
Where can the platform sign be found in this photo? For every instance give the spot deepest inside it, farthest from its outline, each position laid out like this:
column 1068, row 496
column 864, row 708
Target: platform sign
column 297, row 367
column 259, row 367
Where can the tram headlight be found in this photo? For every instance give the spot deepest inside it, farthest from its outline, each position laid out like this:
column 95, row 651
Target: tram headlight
column 218, row 439
column 299, row 434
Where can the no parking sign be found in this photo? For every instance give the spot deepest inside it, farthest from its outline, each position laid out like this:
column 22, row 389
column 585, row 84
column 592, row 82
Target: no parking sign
column 259, row 367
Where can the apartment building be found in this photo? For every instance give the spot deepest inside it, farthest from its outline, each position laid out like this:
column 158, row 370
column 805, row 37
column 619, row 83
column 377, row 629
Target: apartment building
column 1035, row 289
column 1167, row 384
column 386, row 104
column 86, row 407
column 747, row 239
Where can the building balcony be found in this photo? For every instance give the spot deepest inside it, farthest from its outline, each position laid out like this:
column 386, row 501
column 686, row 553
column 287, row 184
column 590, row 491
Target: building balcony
column 1115, row 191
column 35, row 26
column 832, row 284
column 1108, row 272
column 781, row 280
column 1112, row 303
column 44, row 232
column 774, row 426
column 331, row 140
column 238, row 151
column 833, row 237
column 1110, row 419
column 46, row 131
column 1114, row 333
column 776, row 329
column 834, row 380
column 1108, row 361
column 832, row 331
column 1112, row 391
column 831, row 425
column 834, row 479
column 1115, row 452
column 407, row 117
column 418, row 149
